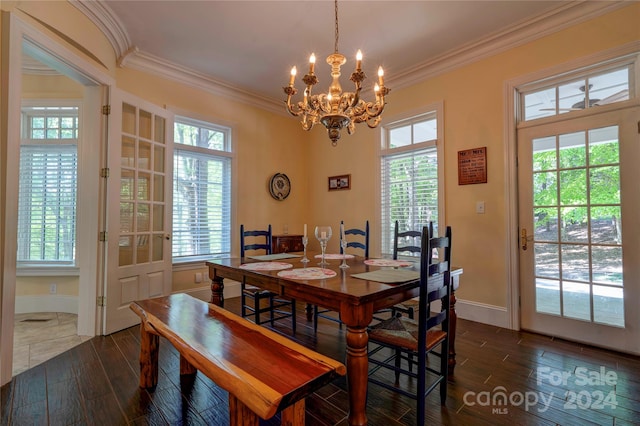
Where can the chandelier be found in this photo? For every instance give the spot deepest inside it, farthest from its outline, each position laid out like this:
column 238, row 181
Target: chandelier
column 336, row 109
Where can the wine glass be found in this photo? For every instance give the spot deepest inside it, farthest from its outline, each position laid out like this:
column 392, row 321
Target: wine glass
column 323, row 233
column 305, row 241
column 343, row 244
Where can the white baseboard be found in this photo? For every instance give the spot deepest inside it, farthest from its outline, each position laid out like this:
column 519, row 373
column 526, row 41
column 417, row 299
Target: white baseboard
column 481, row 312
column 47, row 303
column 231, row 290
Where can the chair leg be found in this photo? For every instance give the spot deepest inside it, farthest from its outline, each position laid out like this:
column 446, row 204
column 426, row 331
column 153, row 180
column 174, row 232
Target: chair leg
column 398, row 360
column 444, row 370
column 256, row 305
column 315, row 318
column 293, row 315
column 271, row 313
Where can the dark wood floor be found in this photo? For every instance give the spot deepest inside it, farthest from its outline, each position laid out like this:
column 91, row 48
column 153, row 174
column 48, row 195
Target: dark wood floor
column 502, row 377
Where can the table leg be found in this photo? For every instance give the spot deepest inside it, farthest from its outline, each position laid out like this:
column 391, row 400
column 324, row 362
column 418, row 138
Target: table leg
column 357, row 319
column 453, row 320
column 217, row 289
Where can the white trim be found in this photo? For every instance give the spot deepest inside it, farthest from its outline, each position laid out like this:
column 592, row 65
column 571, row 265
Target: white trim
column 483, row 313
column 108, row 22
column 20, row 36
column 151, row 64
column 512, row 252
column 47, row 303
column 566, row 15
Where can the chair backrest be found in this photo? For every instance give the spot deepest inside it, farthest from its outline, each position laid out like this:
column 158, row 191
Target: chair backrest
column 362, row 235
column 258, row 240
column 408, row 242
column 435, row 279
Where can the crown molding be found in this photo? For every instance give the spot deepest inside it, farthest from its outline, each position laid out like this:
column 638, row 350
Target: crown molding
column 555, row 20
column 108, row 22
column 564, row 16
column 143, row 61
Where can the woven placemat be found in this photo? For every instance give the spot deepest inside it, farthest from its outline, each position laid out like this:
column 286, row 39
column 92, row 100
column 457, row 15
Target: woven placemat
column 389, row 275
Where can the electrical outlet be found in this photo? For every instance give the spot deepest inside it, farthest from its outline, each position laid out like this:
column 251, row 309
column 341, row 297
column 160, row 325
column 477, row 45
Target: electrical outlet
column 198, row 277
column 53, row 288
column 480, row 207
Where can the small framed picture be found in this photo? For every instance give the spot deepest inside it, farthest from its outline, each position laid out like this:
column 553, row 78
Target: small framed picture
column 339, row 182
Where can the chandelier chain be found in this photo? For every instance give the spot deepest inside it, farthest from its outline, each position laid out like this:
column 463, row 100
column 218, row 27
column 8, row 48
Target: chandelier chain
column 337, row 32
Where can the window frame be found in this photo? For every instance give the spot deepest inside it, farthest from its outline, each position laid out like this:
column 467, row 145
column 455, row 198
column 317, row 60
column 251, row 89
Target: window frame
column 435, row 111
column 227, row 155
column 628, row 61
column 29, row 109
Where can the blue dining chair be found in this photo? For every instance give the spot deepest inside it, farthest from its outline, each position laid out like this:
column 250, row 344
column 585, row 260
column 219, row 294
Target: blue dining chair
column 411, row 339
column 278, row 308
column 361, row 243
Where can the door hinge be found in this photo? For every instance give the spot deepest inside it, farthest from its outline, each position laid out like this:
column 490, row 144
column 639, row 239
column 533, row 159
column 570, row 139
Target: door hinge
column 638, row 126
column 103, row 236
column 101, row 301
column 106, row 109
column 104, row 172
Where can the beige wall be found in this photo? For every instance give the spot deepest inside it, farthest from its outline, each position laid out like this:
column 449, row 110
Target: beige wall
column 474, row 116
column 266, row 143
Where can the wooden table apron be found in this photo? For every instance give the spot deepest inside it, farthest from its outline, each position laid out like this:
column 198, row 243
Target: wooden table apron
column 356, row 300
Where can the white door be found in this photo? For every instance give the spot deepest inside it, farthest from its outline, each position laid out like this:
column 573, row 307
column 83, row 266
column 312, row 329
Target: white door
column 579, row 232
column 138, row 208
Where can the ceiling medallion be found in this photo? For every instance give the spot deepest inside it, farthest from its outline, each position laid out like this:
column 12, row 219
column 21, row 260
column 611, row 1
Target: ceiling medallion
column 336, row 109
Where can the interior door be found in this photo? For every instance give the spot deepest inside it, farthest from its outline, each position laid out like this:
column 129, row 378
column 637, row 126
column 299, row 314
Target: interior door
column 579, row 266
column 139, row 208
column 579, row 236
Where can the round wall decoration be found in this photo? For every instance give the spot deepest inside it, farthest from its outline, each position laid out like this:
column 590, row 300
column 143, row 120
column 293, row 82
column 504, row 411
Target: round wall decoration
column 280, row 186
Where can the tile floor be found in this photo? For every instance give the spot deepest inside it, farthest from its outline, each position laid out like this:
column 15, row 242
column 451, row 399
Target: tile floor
column 40, row 336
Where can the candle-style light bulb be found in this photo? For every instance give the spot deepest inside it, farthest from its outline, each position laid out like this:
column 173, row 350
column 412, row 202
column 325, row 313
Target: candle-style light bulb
column 293, row 76
column 359, row 60
column 381, row 76
column 312, row 62
column 376, row 88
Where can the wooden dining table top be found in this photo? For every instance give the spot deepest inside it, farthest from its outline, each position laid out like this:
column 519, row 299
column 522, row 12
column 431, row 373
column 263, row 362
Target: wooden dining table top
column 328, row 292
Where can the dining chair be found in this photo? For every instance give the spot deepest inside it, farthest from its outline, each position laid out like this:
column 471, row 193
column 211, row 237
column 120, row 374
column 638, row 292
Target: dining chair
column 408, row 243
column 277, row 307
column 361, row 243
column 411, row 339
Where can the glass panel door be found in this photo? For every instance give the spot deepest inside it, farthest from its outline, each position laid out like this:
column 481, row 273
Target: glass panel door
column 578, row 264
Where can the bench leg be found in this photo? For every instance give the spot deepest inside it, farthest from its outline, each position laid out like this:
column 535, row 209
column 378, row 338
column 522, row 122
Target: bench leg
column 240, row 415
column 186, row 367
column 148, row 358
column 293, row 415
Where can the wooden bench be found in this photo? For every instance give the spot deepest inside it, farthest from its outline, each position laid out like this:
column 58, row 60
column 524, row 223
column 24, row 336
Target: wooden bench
column 263, row 372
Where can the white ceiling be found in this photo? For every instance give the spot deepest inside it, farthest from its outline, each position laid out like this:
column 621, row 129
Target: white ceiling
column 252, row 45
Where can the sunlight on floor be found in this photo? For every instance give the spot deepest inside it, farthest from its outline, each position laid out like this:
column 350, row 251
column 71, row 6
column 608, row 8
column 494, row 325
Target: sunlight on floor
column 40, row 336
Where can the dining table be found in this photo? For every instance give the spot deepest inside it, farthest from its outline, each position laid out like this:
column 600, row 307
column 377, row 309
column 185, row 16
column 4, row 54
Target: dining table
column 356, row 293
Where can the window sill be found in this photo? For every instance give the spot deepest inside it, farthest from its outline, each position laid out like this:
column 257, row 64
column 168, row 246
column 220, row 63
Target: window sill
column 47, row 271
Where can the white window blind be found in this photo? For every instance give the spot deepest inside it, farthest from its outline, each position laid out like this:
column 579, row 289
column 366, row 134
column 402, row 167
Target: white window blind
column 47, row 204
column 201, row 191
column 409, row 175
column 48, row 183
column 409, row 192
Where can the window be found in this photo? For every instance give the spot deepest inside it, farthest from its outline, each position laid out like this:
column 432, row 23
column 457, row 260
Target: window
column 48, row 184
column 579, row 91
column 201, row 190
column 410, row 176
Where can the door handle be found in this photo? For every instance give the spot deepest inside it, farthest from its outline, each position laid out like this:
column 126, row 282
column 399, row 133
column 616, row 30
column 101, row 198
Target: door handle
column 523, row 239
